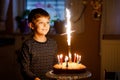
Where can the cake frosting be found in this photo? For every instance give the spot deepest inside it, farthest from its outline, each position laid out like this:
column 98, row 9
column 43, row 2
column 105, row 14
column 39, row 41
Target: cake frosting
column 70, row 67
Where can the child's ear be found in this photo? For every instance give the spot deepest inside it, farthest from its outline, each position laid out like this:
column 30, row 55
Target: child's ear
column 31, row 25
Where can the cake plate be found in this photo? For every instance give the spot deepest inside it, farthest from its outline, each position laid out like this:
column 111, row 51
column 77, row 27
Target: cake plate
column 86, row 74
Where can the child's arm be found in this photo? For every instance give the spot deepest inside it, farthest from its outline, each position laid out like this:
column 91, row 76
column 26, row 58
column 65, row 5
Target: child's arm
column 25, row 63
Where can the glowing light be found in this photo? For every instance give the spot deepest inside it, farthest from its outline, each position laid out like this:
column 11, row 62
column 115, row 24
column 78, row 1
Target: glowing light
column 66, row 58
column 61, row 58
column 68, row 27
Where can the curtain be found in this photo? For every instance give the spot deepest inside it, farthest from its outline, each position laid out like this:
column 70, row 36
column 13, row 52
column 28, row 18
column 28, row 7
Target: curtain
column 110, row 17
column 3, row 13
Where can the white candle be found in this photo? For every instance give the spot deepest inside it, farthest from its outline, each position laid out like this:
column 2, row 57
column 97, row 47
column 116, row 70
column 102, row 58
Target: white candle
column 79, row 59
column 58, row 56
column 61, row 58
column 66, row 61
column 66, row 58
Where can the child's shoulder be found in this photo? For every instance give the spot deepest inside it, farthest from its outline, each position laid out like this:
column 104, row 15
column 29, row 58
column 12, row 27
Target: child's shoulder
column 28, row 40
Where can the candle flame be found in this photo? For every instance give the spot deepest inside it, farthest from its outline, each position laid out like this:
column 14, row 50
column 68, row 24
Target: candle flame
column 68, row 27
column 66, row 58
column 61, row 56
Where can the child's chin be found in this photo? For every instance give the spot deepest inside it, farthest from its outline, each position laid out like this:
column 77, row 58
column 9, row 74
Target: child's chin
column 45, row 33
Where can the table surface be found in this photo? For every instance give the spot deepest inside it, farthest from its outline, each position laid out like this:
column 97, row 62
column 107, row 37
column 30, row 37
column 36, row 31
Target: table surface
column 86, row 74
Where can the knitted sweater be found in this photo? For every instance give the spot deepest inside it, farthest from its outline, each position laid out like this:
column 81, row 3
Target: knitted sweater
column 37, row 58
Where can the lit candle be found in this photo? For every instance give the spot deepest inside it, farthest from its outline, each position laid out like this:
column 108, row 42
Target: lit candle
column 66, row 61
column 79, row 59
column 61, row 57
column 75, row 57
column 66, row 58
column 58, row 56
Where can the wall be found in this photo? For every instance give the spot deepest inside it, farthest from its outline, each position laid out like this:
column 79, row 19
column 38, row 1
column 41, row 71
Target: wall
column 110, row 56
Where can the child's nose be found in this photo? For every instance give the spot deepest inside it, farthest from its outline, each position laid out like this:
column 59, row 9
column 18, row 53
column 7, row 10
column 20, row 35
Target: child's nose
column 45, row 24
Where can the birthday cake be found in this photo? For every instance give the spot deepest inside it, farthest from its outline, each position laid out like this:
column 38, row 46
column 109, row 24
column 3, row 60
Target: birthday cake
column 70, row 68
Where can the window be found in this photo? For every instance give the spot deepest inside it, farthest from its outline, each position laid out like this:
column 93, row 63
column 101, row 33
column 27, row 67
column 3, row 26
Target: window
column 56, row 8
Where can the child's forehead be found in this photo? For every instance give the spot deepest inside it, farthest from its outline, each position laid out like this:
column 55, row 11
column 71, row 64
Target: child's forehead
column 43, row 17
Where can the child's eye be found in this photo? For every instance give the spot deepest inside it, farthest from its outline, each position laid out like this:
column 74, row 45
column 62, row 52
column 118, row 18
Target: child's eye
column 40, row 23
column 48, row 22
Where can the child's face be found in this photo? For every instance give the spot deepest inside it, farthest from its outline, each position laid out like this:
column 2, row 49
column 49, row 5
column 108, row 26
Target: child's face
column 41, row 25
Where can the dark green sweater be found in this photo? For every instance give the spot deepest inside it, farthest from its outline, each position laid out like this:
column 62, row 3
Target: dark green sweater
column 37, row 58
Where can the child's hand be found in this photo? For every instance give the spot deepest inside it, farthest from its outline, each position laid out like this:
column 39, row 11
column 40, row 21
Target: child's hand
column 37, row 78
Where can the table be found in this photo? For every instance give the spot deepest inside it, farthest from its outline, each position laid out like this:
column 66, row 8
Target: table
column 86, row 74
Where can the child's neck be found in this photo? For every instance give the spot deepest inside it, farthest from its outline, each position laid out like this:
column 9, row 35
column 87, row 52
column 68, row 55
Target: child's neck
column 41, row 38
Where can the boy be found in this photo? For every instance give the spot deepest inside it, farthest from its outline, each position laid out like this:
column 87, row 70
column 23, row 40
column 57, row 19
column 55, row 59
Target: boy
column 39, row 52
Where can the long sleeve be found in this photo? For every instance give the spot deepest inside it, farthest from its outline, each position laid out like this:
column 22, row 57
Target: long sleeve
column 25, row 63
